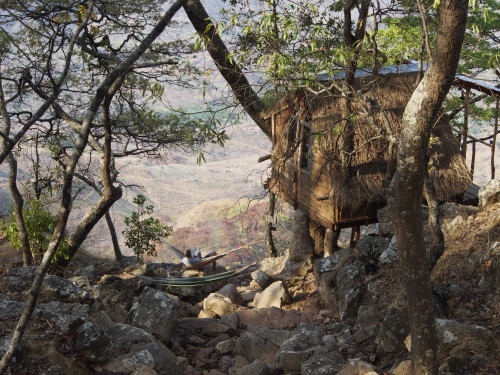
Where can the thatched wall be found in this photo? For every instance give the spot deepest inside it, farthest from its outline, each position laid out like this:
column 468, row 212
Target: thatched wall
column 376, row 111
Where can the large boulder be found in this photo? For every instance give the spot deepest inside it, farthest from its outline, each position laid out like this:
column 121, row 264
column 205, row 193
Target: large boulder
column 155, row 312
column 253, row 347
column 462, row 340
column 370, row 248
column 326, row 270
column 489, row 194
column 390, row 254
column 65, row 316
column 25, row 273
column 350, row 289
column 324, row 361
column 297, row 350
column 275, row 295
column 142, row 358
column 93, row 341
column 272, row 317
column 232, row 293
column 221, row 304
column 262, row 279
column 394, row 327
column 60, row 289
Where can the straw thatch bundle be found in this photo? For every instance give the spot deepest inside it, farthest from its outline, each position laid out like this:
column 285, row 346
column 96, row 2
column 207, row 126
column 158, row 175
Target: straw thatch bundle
column 355, row 178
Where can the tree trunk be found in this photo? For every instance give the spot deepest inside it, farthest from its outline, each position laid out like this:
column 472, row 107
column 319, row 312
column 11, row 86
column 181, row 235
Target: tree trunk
column 114, row 238
column 437, row 237
column 231, row 72
column 407, row 184
column 22, row 232
column 269, row 227
column 16, row 195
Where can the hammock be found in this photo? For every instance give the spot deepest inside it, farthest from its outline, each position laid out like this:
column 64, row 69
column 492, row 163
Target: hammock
column 197, row 263
column 193, row 281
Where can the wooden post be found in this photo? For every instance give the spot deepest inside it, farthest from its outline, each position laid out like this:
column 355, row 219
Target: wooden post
column 473, row 159
column 355, row 233
column 269, row 228
column 494, row 140
column 465, row 129
column 330, row 244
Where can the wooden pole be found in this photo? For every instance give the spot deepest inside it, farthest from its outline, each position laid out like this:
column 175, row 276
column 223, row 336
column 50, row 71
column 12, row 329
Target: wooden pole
column 465, row 129
column 494, row 140
column 473, row 159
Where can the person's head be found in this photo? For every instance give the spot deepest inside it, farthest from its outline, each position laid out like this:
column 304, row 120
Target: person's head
column 188, row 253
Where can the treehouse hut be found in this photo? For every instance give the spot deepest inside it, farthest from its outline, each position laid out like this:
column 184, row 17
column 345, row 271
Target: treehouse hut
column 331, row 163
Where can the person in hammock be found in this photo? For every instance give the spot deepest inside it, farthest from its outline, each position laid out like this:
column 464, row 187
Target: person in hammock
column 190, row 258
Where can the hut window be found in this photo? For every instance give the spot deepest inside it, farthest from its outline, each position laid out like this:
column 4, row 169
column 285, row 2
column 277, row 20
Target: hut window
column 305, row 146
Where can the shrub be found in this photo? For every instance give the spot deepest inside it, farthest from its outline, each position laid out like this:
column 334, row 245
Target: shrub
column 142, row 233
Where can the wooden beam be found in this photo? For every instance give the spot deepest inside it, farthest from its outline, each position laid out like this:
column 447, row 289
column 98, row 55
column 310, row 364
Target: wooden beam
column 264, row 158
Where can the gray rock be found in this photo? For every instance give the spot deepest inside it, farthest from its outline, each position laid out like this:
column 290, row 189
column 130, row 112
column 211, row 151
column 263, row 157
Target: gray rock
column 464, row 340
column 275, row 295
column 154, row 356
column 297, row 349
column 290, row 361
column 255, row 368
column 490, row 193
column 226, row 346
column 332, row 262
column 155, row 312
column 11, row 309
column 367, row 319
column 230, row 292
column 261, row 278
column 93, row 341
column 65, row 316
column 123, row 336
column 252, row 347
column 370, row 248
column 13, row 284
column 275, row 336
column 350, row 289
column 60, row 289
column 25, row 273
column 394, row 327
column 323, row 362
column 326, row 271
column 390, row 254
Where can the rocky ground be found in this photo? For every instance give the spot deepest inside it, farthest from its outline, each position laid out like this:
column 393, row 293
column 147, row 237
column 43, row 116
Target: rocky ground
column 341, row 315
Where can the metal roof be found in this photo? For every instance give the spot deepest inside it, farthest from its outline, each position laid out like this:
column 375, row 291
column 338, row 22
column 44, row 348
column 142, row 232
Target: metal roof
column 460, row 80
column 394, row 69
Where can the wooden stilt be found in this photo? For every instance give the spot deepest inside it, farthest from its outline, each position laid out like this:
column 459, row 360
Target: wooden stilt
column 473, row 159
column 494, row 140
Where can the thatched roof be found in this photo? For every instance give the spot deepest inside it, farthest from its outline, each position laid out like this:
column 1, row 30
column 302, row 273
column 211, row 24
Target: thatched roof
column 387, row 95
